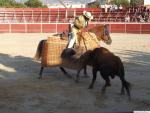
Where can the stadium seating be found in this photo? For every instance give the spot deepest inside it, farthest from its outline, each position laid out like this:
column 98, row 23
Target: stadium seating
column 60, row 15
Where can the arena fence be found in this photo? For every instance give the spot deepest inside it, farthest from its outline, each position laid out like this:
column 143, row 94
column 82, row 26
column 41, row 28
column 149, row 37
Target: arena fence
column 43, row 15
column 56, row 20
column 140, row 28
column 61, row 15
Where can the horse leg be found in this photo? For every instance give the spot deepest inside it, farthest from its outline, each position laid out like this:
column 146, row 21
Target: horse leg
column 85, row 72
column 65, row 72
column 41, row 71
column 94, row 71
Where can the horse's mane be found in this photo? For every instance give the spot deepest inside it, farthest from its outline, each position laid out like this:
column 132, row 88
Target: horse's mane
column 97, row 30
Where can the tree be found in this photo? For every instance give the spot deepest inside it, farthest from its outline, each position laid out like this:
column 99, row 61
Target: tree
column 7, row 3
column 135, row 3
column 34, row 3
column 95, row 4
column 10, row 4
column 117, row 2
column 20, row 5
column 123, row 3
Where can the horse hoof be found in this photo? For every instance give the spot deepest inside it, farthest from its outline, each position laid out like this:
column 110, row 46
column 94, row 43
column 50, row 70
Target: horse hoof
column 68, row 76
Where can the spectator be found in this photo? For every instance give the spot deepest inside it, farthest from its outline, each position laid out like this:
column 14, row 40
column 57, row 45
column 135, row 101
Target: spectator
column 111, row 8
column 120, row 7
column 127, row 18
column 106, row 8
column 141, row 18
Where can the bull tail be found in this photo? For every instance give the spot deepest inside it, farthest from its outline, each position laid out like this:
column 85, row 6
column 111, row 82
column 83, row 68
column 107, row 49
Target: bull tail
column 125, row 84
column 39, row 50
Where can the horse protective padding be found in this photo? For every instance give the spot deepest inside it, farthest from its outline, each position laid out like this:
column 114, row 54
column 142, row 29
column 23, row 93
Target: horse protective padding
column 54, row 46
column 88, row 40
column 51, row 54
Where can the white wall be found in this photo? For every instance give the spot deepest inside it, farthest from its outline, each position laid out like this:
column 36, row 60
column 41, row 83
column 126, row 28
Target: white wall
column 146, row 2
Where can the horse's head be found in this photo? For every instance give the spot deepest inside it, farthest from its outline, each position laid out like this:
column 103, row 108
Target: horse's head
column 106, row 35
column 102, row 32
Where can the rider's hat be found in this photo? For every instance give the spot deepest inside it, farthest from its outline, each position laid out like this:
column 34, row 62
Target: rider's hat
column 88, row 15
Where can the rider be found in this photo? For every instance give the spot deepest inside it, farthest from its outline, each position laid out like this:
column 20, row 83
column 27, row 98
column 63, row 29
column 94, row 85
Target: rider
column 79, row 23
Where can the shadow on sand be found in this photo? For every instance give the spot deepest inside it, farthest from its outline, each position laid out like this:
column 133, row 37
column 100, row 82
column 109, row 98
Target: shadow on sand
column 21, row 66
column 26, row 65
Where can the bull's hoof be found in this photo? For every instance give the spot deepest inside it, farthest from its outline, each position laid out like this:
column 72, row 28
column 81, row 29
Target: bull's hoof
column 40, row 77
column 68, row 76
column 86, row 76
column 122, row 92
column 103, row 90
column 76, row 81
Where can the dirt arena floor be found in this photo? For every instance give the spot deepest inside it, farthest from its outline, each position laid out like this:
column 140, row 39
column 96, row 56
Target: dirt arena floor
column 22, row 92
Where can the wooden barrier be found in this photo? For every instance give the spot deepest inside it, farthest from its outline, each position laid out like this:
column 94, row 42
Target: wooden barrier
column 139, row 28
column 4, row 28
column 18, row 28
column 118, row 28
column 145, row 28
column 49, row 28
column 56, row 20
column 133, row 28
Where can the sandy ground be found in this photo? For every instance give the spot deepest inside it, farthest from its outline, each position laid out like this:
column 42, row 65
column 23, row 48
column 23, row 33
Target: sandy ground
column 22, row 92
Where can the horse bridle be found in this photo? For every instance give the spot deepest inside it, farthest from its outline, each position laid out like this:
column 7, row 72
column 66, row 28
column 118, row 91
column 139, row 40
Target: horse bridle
column 106, row 32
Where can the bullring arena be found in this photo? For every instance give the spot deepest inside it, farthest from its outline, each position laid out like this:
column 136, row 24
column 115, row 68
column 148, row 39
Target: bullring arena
column 22, row 92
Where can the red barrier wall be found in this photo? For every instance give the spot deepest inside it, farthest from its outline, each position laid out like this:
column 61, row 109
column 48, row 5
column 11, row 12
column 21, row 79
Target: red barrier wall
column 118, row 28
column 139, row 28
column 133, row 28
column 34, row 28
column 18, row 28
column 54, row 20
column 61, row 27
column 49, row 28
column 4, row 28
column 145, row 28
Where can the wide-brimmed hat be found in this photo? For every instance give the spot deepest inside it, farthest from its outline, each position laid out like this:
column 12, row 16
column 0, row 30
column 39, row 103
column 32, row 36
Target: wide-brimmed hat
column 87, row 15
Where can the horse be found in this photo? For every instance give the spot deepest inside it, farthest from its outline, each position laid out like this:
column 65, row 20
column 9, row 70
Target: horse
column 101, row 32
column 108, row 64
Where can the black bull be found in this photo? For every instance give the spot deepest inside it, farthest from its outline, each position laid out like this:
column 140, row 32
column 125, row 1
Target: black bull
column 109, row 65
